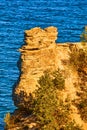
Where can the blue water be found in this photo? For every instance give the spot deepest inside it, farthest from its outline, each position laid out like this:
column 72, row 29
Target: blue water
column 69, row 16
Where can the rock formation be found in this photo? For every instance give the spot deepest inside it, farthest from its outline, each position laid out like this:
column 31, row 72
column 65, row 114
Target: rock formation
column 41, row 53
column 37, row 55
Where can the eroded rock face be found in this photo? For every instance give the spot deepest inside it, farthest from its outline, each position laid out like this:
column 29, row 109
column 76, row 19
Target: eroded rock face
column 37, row 55
column 38, row 38
column 40, row 53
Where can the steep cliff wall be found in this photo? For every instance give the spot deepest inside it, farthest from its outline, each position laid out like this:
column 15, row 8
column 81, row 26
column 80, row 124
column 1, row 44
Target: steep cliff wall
column 41, row 53
column 37, row 55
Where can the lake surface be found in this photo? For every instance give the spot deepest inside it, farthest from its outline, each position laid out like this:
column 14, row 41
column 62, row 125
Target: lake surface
column 69, row 16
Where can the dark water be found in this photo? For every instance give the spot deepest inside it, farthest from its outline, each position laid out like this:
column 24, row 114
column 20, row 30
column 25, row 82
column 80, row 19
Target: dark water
column 69, row 16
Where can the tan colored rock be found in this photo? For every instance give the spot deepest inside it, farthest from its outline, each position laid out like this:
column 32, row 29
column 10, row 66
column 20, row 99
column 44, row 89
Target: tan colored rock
column 41, row 53
column 39, row 38
column 32, row 125
column 37, row 57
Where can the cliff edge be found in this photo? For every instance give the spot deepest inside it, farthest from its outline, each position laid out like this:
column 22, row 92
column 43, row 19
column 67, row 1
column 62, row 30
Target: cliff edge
column 41, row 53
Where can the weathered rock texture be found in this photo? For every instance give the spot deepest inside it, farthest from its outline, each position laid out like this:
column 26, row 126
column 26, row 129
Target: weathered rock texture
column 38, row 55
column 41, row 53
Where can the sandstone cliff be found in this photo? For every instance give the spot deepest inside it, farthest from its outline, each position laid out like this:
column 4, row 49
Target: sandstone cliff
column 40, row 53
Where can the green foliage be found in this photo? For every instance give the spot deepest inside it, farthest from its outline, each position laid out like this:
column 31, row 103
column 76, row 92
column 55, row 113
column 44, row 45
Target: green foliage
column 50, row 111
column 7, row 120
column 72, row 126
column 83, row 36
column 82, row 106
column 45, row 100
column 78, row 58
column 58, row 80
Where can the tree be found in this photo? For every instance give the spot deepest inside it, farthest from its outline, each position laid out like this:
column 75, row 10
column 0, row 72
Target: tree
column 46, row 102
column 51, row 112
column 83, row 36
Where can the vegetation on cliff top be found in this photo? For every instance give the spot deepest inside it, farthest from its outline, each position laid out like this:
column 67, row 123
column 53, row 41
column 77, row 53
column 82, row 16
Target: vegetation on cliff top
column 78, row 60
column 83, row 36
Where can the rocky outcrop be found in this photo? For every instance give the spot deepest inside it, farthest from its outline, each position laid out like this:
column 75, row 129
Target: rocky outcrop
column 41, row 53
column 37, row 55
column 38, row 38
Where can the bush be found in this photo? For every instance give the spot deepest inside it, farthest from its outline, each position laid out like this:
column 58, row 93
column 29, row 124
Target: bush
column 72, row 126
column 58, row 80
column 50, row 111
column 45, row 101
column 78, row 58
column 83, row 36
column 82, row 106
column 7, row 120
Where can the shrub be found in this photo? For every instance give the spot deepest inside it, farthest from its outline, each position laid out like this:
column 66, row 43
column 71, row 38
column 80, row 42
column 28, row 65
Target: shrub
column 82, row 106
column 45, row 102
column 50, row 111
column 83, row 36
column 7, row 120
column 72, row 126
column 78, row 58
column 58, row 80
